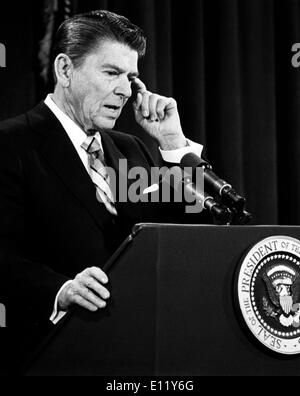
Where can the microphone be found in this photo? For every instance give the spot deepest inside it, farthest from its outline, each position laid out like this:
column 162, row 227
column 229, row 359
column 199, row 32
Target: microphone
column 178, row 179
column 220, row 213
column 218, row 187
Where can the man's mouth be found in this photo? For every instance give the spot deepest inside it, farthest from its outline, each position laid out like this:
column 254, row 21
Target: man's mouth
column 113, row 107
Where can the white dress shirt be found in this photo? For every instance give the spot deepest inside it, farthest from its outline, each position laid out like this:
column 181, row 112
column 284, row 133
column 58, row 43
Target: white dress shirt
column 77, row 137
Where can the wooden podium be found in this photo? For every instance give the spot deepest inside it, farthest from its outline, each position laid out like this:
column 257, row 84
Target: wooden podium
column 172, row 311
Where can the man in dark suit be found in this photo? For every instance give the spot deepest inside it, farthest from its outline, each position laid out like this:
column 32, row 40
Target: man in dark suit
column 59, row 220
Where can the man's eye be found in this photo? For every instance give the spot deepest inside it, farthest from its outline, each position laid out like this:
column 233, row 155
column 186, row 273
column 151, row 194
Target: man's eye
column 112, row 73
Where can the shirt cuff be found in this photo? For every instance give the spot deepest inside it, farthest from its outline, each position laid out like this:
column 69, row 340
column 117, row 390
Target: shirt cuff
column 56, row 314
column 175, row 156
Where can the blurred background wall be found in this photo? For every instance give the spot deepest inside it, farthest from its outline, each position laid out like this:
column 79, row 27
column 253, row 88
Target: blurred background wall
column 227, row 63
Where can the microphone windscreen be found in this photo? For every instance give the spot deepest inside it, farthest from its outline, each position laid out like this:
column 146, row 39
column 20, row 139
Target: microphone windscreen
column 192, row 160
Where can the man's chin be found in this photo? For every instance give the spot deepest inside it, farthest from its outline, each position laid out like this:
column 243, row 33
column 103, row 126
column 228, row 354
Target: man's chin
column 105, row 123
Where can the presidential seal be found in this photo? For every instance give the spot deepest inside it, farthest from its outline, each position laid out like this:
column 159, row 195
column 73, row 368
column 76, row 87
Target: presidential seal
column 269, row 293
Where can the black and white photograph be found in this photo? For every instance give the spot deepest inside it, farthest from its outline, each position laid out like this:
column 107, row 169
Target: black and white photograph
column 150, row 190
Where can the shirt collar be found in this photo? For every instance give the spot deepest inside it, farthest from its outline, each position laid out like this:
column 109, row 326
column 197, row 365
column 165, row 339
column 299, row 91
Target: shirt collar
column 75, row 133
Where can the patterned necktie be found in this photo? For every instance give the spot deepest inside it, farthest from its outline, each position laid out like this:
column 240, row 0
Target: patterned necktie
column 99, row 173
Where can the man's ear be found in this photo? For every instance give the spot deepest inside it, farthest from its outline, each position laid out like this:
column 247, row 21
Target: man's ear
column 63, row 68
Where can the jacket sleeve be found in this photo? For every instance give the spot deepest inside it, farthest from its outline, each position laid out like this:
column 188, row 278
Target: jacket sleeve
column 174, row 209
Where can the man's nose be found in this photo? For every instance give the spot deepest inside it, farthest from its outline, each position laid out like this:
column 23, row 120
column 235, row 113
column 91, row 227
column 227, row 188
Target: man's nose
column 124, row 88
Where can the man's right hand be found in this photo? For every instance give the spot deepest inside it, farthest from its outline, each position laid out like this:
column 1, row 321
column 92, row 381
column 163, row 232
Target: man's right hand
column 86, row 290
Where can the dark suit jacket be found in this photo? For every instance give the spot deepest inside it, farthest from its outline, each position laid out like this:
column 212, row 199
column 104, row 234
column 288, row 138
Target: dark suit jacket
column 52, row 227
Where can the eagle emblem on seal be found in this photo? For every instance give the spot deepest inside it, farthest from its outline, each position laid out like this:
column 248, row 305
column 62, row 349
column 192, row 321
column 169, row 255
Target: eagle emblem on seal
column 283, row 286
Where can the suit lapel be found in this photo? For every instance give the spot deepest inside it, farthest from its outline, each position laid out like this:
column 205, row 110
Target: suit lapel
column 60, row 153
column 115, row 159
column 112, row 154
column 129, row 210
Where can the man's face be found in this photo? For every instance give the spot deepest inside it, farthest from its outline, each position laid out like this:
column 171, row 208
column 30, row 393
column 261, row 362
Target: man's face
column 101, row 86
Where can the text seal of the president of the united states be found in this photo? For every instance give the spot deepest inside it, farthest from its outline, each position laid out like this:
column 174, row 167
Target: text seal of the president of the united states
column 269, row 293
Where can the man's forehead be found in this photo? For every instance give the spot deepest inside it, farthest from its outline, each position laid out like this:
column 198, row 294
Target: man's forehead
column 114, row 53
